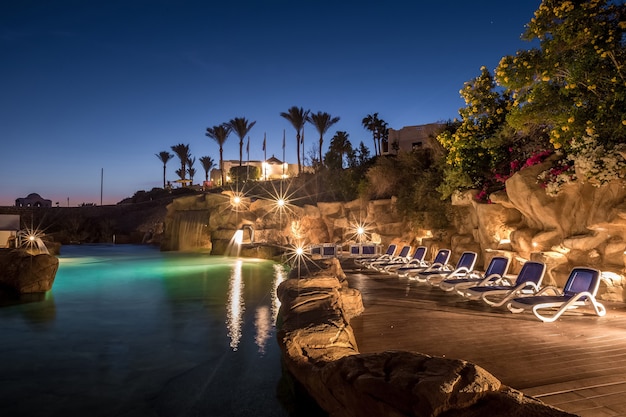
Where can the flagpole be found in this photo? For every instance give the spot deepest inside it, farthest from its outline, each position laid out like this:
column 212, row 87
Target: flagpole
column 101, row 183
column 264, row 156
column 283, row 153
column 248, row 162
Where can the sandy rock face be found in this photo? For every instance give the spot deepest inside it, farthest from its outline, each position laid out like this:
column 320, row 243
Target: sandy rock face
column 570, row 213
column 27, row 273
column 583, row 225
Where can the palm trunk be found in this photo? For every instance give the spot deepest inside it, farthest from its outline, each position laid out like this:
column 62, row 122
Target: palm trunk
column 222, row 165
column 298, row 151
column 321, row 142
column 163, row 176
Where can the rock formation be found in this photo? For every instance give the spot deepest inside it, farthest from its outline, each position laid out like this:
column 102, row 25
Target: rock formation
column 583, row 226
column 321, row 353
column 26, row 273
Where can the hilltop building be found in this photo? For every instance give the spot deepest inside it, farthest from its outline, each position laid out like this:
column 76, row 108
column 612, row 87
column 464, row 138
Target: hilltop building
column 411, row 138
column 271, row 169
column 33, row 200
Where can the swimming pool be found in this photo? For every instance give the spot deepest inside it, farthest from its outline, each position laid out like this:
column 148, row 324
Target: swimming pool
column 131, row 331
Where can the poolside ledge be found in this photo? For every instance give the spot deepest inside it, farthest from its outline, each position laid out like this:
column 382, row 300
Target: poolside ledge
column 321, row 353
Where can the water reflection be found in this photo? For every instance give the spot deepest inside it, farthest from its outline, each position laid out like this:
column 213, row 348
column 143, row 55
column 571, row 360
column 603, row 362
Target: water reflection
column 279, row 276
column 263, row 325
column 265, row 316
column 236, row 307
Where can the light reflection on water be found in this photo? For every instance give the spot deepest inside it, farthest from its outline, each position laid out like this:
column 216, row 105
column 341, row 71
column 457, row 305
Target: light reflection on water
column 236, row 305
column 127, row 327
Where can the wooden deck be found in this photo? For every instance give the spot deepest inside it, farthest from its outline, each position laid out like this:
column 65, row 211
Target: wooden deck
column 577, row 363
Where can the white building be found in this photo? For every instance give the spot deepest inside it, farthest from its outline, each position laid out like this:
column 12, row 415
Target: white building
column 271, row 169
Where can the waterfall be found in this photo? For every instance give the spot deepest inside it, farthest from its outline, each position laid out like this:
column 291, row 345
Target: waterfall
column 188, row 229
column 31, row 241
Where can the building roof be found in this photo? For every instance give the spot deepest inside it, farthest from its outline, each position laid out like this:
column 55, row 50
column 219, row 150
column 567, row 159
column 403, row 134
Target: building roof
column 274, row 160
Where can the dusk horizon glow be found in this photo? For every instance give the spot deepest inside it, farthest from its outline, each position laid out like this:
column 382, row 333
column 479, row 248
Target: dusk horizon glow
column 93, row 90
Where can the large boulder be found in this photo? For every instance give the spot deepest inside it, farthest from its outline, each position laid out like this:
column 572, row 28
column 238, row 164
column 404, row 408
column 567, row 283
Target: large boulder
column 26, row 273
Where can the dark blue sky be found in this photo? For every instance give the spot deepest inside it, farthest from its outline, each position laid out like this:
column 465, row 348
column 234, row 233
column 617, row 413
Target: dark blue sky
column 100, row 85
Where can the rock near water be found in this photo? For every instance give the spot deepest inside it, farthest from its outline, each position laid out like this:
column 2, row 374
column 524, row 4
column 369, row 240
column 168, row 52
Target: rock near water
column 26, row 273
column 321, row 352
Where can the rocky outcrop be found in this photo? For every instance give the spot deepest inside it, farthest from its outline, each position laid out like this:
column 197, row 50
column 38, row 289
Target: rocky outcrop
column 321, row 353
column 26, row 273
column 584, row 225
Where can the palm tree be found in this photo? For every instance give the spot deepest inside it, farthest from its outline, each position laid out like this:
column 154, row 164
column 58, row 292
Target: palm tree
column 297, row 116
column 219, row 134
column 191, row 170
column 383, row 135
column 241, row 127
column 182, row 152
column 164, row 156
column 379, row 130
column 322, row 122
column 369, row 122
column 341, row 145
column 207, row 163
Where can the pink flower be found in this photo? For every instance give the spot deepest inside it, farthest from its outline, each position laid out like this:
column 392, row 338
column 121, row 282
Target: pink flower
column 536, row 158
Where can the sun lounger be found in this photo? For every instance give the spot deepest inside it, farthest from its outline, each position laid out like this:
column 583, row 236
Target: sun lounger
column 391, row 249
column 579, row 291
column 417, row 258
column 402, row 256
column 527, row 283
column 495, row 271
column 434, row 274
column 411, row 269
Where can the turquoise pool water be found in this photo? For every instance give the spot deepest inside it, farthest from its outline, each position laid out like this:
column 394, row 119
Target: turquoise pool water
column 132, row 331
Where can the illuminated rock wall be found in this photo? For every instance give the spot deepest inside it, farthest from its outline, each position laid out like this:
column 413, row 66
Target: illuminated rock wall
column 584, row 225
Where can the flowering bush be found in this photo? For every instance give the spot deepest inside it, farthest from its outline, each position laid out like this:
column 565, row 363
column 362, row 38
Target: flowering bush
column 537, row 158
column 554, row 178
column 594, row 163
column 515, row 165
column 483, row 196
column 587, row 161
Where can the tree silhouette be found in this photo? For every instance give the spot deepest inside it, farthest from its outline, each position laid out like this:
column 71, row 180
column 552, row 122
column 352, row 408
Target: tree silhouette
column 322, row 122
column 164, row 156
column 219, row 134
column 339, row 145
column 297, row 116
column 207, row 164
column 241, row 127
column 379, row 130
column 190, row 169
column 182, row 152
